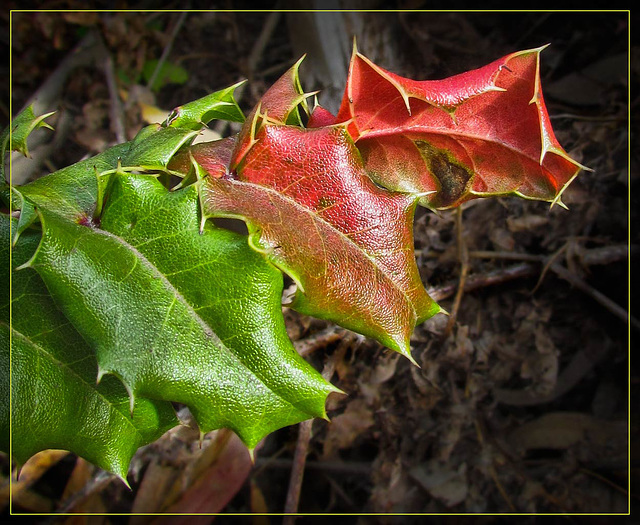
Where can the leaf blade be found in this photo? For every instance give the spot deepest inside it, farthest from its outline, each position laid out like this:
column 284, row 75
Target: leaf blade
column 55, row 400
column 148, row 334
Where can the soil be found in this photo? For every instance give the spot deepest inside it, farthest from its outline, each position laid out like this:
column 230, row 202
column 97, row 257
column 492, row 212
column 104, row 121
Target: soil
column 521, row 403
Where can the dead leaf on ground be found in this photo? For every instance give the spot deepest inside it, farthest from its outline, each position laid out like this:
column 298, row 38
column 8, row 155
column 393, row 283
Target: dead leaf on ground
column 347, row 427
column 30, row 473
column 562, row 430
column 443, row 481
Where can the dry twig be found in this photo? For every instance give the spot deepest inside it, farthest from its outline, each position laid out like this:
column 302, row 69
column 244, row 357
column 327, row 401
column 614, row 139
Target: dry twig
column 167, row 48
column 304, row 437
column 569, row 276
column 463, row 256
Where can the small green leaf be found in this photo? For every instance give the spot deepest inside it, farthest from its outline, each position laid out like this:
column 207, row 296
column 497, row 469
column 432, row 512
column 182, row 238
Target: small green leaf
column 55, row 400
column 14, row 137
column 220, row 105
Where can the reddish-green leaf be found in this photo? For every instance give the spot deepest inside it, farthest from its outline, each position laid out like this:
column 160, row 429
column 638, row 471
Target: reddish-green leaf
column 280, row 104
column 483, row 132
column 315, row 214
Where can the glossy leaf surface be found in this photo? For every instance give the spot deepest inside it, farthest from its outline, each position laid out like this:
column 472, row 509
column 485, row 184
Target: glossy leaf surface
column 178, row 315
column 56, row 402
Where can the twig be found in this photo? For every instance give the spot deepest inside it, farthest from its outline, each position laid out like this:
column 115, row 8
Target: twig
column 483, row 280
column 550, row 260
column 116, row 111
column 604, row 480
column 167, row 48
column 582, row 285
column 612, row 253
column 252, row 61
column 492, row 469
column 304, row 437
column 503, row 493
column 463, row 256
column 340, row 491
column 263, row 39
column 297, row 471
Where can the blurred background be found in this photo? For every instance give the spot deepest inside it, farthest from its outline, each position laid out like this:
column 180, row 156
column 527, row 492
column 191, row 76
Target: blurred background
column 521, row 405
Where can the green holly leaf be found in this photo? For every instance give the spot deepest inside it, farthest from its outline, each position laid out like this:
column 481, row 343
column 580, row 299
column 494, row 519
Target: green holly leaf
column 56, row 402
column 14, row 137
column 195, row 115
column 177, row 314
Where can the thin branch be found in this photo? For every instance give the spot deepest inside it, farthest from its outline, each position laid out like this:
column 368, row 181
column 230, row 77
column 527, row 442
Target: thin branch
column 463, row 256
column 167, row 48
column 304, row 437
column 599, row 297
column 263, row 39
column 531, row 268
column 483, row 280
column 116, row 111
column 270, row 25
column 297, row 471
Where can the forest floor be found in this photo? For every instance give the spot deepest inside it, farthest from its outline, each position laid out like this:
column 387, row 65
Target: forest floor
column 521, row 400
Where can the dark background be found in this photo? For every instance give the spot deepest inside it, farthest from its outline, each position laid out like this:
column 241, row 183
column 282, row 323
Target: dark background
column 448, row 437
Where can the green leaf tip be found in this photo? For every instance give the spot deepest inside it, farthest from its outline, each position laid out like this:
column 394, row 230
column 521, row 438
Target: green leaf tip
column 14, row 137
column 195, row 115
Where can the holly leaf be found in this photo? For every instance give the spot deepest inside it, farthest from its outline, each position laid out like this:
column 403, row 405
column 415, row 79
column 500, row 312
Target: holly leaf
column 178, row 314
column 481, row 133
column 313, row 212
column 56, row 402
column 195, row 115
column 14, row 137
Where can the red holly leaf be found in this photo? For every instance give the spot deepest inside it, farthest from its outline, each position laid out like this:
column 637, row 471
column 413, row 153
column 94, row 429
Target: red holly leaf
column 484, row 132
column 314, row 213
column 279, row 104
